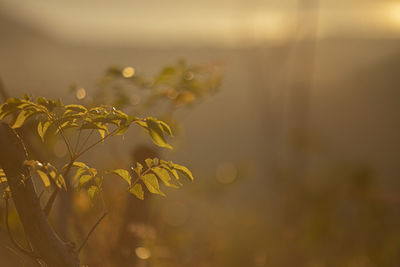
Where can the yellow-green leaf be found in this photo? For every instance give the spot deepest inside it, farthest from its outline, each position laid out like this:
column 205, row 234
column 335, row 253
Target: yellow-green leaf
column 165, row 128
column 102, row 134
column 151, row 182
column 163, row 174
column 42, row 128
column 156, row 133
column 149, row 162
column 124, row 174
column 78, row 173
column 22, row 116
column 84, row 179
column 137, row 190
column 78, row 108
column 183, row 170
column 78, row 164
column 44, row 177
column 92, row 191
column 60, row 182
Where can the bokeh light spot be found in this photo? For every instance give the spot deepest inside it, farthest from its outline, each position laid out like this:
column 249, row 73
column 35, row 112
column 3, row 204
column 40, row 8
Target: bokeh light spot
column 80, row 93
column 128, row 72
column 189, row 76
column 142, row 253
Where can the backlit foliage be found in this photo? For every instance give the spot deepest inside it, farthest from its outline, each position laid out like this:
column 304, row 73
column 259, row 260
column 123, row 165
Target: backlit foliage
column 53, row 118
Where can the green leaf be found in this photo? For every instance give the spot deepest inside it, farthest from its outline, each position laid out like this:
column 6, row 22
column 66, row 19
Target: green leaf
column 42, row 128
column 139, row 168
column 92, row 191
column 22, row 116
column 66, row 125
column 84, row 179
column 79, row 172
column 137, row 190
column 60, row 182
column 142, row 124
column 151, row 182
column 120, row 114
column 41, row 101
column 78, row 164
column 44, row 177
column 93, row 171
column 149, row 162
column 156, row 133
column 183, row 170
column 166, row 128
column 77, row 108
column 122, row 130
column 163, row 174
column 124, row 174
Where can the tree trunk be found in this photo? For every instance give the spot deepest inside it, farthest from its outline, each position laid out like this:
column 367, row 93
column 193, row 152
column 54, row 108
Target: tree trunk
column 45, row 242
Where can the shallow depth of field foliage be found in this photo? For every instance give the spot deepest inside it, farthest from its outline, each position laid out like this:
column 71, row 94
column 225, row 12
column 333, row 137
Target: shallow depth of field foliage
column 83, row 126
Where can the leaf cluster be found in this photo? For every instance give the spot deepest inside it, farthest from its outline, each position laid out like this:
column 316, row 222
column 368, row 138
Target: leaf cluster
column 55, row 117
column 149, row 175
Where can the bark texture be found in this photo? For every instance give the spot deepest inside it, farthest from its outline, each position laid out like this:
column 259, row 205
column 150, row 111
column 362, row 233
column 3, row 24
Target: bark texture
column 45, row 242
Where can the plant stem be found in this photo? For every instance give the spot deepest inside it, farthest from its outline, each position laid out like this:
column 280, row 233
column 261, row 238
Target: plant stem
column 67, row 143
column 95, row 143
column 78, row 139
column 86, row 140
column 91, row 231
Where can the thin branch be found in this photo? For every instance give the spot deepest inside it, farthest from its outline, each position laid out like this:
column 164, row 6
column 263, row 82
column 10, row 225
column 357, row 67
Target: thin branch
column 67, row 143
column 86, row 140
column 50, row 201
column 53, row 196
column 95, row 143
column 13, row 241
column 78, row 139
column 91, row 231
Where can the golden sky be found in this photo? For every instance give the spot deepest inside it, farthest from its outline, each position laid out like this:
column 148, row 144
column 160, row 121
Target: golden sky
column 223, row 22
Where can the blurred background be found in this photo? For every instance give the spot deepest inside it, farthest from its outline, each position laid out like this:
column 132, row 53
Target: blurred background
column 295, row 147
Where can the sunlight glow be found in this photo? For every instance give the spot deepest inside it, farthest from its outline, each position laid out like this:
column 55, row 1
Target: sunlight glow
column 393, row 11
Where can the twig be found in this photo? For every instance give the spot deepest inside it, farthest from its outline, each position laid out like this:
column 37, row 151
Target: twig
column 86, row 140
column 78, row 139
column 67, row 143
column 91, row 231
column 50, row 202
column 95, row 143
column 53, row 196
column 18, row 246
